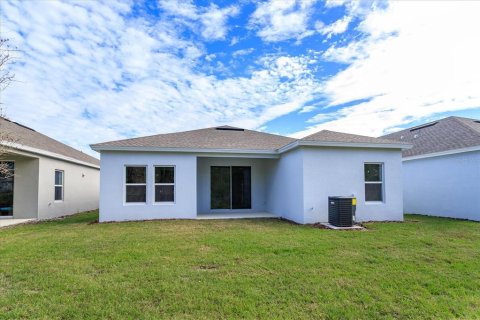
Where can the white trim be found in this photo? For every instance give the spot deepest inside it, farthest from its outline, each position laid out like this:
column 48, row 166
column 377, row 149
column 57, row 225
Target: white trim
column 47, row 154
column 382, row 182
column 274, row 155
column 370, row 203
column 257, row 152
column 62, row 185
column 442, row 153
column 125, row 184
column 190, row 150
column 155, row 202
column 311, row 143
column 231, row 209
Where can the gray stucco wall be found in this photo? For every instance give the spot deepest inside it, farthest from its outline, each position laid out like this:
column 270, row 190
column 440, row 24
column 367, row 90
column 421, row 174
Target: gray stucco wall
column 296, row 186
column 446, row 186
column 112, row 203
column 285, row 186
column 340, row 172
column 303, row 179
column 81, row 188
column 25, row 187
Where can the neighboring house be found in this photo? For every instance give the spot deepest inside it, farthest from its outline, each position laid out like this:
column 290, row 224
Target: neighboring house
column 441, row 173
column 232, row 172
column 50, row 179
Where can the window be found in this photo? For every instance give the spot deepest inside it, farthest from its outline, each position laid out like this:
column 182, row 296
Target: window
column 136, row 184
column 230, row 188
column 164, row 184
column 59, row 185
column 373, row 182
column 6, row 188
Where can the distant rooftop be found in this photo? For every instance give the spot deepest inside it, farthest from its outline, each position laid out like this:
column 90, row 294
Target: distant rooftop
column 441, row 135
column 25, row 136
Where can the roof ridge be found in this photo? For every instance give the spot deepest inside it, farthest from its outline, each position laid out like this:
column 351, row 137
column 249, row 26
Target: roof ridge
column 195, row 130
column 351, row 134
column 466, row 125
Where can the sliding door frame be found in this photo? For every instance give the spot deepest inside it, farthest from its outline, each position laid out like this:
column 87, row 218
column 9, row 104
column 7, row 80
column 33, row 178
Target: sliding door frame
column 230, row 188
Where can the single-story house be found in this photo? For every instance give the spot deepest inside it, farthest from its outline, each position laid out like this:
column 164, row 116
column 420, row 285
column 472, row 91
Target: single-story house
column 441, row 173
column 48, row 178
column 233, row 172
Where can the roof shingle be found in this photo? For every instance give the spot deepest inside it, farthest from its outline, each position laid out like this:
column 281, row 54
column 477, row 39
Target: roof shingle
column 23, row 135
column 231, row 138
column 210, row 138
column 442, row 135
column 332, row 136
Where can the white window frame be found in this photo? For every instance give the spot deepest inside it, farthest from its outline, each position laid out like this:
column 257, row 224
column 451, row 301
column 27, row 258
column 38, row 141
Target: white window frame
column 165, row 184
column 125, row 184
column 382, row 182
column 62, row 185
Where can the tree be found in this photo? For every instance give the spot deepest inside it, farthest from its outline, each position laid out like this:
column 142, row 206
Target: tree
column 6, row 77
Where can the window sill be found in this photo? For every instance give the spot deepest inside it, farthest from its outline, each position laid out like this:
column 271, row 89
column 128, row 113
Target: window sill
column 58, row 201
column 164, row 203
column 374, row 202
column 134, row 203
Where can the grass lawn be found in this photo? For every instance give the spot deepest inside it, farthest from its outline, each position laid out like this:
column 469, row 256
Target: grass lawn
column 71, row 268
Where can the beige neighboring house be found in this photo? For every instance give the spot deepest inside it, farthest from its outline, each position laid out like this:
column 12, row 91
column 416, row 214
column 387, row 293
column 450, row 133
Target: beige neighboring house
column 50, row 178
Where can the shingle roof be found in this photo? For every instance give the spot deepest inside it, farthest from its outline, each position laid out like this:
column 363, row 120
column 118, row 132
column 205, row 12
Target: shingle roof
column 225, row 137
column 332, row 136
column 231, row 138
column 442, row 135
column 23, row 135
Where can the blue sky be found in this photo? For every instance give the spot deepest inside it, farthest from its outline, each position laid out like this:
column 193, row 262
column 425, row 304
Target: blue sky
column 92, row 71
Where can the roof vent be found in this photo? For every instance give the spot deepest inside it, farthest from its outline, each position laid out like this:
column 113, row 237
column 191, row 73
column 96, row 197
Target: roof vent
column 424, row 126
column 228, row 128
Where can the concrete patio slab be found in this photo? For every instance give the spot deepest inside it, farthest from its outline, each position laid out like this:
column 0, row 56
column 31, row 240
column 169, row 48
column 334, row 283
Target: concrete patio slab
column 354, row 227
column 214, row 216
column 12, row 222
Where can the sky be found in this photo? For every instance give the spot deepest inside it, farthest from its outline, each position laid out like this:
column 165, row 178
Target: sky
column 94, row 71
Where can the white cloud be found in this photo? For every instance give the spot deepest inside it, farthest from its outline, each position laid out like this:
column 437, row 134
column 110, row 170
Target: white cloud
column 102, row 79
column 354, row 9
column 212, row 19
column 417, row 60
column 335, row 3
column 234, row 41
column 307, row 109
column 282, row 20
column 339, row 26
column 242, row 52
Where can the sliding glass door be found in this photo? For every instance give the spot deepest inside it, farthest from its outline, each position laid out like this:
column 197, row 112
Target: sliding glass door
column 241, row 188
column 6, row 190
column 220, row 188
column 230, row 188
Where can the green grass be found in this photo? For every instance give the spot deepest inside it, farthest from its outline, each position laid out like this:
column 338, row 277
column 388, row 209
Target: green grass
column 423, row 268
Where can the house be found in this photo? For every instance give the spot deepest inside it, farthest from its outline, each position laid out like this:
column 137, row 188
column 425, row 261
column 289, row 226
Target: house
column 233, row 172
column 50, row 179
column 441, row 173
